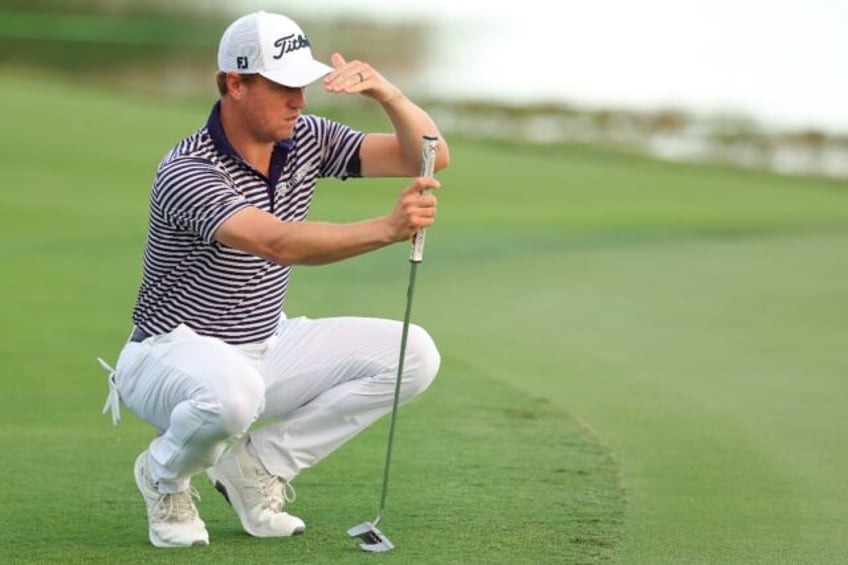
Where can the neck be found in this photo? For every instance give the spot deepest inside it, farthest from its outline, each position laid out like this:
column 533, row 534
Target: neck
column 256, row 153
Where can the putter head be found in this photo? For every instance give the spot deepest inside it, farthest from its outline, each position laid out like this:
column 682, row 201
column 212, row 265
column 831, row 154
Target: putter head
column 372, row 538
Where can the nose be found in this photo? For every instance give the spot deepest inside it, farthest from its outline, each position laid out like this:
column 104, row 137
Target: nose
column 297, row 98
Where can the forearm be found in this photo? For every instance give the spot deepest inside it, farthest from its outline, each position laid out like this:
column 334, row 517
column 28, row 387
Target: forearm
column 259, row 233
column 319, row 243
column 411, row 123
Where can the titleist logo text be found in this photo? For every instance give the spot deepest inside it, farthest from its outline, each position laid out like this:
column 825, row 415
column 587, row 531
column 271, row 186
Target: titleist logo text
column 289, row 43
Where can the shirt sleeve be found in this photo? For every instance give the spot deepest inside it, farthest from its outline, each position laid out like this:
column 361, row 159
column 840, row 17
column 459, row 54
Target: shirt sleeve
column 192, row 195
column 339, row 146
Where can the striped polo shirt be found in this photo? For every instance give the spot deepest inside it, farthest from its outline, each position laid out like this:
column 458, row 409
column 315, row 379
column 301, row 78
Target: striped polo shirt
column 189, row 277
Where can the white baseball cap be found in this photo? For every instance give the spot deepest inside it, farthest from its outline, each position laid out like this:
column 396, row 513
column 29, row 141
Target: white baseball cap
column 273, row 46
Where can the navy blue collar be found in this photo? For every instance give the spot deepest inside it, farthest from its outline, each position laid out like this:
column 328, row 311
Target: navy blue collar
column 222, row 144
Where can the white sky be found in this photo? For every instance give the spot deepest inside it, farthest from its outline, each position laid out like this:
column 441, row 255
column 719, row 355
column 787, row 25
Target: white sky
column 784, row 62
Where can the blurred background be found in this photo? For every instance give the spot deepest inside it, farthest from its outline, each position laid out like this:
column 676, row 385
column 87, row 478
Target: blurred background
column 755, row 83
column 636, row 281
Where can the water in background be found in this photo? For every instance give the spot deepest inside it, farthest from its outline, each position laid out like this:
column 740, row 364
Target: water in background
column 784, row 63
column 754, row 82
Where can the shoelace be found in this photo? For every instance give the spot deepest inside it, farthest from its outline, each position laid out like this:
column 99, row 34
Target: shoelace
column 276, row 492
column 113, row 400
column 179, row 506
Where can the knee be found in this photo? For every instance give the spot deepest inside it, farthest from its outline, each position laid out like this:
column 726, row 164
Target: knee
column 421, row 363
column 239, row 404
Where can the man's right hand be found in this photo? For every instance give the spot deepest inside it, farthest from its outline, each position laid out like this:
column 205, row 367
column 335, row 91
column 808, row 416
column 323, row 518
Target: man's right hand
column 415, row 209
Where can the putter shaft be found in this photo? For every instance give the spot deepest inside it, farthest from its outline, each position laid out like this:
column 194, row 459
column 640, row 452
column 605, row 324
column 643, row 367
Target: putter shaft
column 413, row 269
column 373, row 539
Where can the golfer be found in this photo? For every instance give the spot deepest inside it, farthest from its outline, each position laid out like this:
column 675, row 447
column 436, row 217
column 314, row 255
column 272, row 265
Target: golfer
column 234, row 387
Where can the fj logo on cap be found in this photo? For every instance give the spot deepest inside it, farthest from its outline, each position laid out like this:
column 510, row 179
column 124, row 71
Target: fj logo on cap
column 289, row 43
column 241, row 63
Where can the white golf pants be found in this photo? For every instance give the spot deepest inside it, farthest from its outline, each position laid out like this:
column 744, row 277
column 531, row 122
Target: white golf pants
column 311, row 387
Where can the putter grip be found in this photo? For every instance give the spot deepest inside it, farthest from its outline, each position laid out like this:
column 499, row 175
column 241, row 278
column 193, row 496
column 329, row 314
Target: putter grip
column 428, row 162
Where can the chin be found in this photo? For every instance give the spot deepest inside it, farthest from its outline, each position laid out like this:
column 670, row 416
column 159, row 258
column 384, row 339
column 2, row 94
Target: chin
column 285, row 133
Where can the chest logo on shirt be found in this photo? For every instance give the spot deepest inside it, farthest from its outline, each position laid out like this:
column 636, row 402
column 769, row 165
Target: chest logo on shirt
column 284, row 187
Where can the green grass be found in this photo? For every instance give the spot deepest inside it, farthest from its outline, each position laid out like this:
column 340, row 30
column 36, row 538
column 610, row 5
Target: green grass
column 440, row 485
column 642, row 361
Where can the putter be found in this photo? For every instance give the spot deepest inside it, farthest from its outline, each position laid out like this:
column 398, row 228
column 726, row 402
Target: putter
column 374, row 540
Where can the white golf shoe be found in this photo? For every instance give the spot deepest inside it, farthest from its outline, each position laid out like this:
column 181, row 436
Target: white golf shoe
column 257, row 496
column 172, row 518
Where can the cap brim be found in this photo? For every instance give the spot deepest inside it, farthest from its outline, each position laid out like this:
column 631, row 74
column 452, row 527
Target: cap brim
column 298, row 75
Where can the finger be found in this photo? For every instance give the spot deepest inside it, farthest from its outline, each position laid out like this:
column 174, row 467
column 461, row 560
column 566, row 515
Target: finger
column 423, row 199
column 357, row 77
column 337, row 60
column 424, row 221
column 421, row 184
column 422, row 206
column 427, row 212
column 350, row 77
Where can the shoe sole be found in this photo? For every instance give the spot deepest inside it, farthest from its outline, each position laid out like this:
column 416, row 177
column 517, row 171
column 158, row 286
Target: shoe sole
column 157, row 541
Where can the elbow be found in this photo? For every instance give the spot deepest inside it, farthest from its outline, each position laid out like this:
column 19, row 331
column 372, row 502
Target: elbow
column 278, row 254
column 287, row 257
column 442, row 156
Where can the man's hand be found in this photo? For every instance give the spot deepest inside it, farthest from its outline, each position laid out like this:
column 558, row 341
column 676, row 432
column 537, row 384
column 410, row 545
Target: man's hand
column 414, row 209
column 358, row 77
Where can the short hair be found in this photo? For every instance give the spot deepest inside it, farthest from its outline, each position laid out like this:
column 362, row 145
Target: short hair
column 221, row 80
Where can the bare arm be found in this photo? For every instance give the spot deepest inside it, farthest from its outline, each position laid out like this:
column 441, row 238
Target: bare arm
column 316, row 243
column 387, row 154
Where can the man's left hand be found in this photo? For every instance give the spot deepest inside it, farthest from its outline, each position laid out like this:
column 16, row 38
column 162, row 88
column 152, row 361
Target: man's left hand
column 358, row 77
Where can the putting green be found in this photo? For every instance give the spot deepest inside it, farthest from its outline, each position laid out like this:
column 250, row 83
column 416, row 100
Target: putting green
column 713, row 368
column 642, row 361
column 481, row 472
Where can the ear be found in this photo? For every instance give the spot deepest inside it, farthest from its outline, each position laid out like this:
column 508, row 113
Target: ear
column 235, row 85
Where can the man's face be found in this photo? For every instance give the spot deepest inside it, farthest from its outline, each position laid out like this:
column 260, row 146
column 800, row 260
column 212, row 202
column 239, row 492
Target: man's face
column 271, row 110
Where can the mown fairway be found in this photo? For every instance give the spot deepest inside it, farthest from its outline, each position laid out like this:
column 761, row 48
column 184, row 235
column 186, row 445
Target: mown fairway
column 642, row 362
